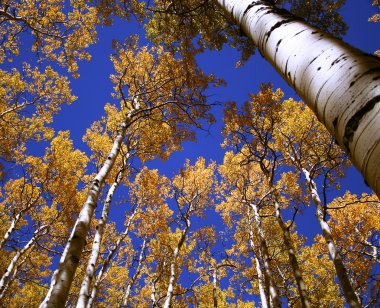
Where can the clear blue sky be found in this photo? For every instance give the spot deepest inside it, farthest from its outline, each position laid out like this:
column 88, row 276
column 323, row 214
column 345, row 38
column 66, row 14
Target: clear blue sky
column 93, row 89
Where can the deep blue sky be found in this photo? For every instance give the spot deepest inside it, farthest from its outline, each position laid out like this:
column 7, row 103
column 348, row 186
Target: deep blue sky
column 93, row 89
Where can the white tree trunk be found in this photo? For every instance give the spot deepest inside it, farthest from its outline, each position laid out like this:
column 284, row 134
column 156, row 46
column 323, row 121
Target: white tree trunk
column 135, row 275
column 292, row 259
column 17, row 218
column 169, row 293
column 263, row 289
column 214, row 288
column 8, row 233
column 106, row 264
column 6, row 276
column 340, row 83
column 84, row 293
column 265, row 255
column 348, row 290
column 64, row 274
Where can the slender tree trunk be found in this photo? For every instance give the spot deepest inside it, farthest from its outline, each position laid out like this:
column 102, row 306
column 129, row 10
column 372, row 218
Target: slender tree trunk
column 135, row 276
column 265, row 254
column 153, row 295
column 8, row 233
column 4, row 282
column 17, row 218
column 262, row 289
column 292, row 259
column 337, row 81
column 340, row 269
column 64, row 274
column 263, row 284
column 9, row 281
column 169, row 293
column 84, row 293
column 107, row 262
column 214, row 288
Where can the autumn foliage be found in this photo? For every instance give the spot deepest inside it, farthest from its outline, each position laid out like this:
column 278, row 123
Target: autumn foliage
column 98, row 227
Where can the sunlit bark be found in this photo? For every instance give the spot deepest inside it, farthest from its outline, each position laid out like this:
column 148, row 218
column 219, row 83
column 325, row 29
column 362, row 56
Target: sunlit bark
column 169, row 292
column 135, row 275
column 107, row 263
column 292, row 258
column 337, row 81
column 84, row 293
column 63, row 276
column 274, row 296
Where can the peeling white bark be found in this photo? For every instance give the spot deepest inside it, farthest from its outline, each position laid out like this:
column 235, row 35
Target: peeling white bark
column 64, row 275
column 340, row 83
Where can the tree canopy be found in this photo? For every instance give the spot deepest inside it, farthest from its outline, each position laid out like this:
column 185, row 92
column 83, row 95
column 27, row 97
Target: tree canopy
column 110, row 202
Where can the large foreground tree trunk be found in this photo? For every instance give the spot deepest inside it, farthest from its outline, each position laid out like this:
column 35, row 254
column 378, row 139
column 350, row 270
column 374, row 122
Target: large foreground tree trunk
column 340, row 83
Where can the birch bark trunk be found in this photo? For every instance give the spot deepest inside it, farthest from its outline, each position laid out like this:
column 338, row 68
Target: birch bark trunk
column 4, row 281
column 17, row 218
column 263, row 283
column 214, row 288
column 338, row 82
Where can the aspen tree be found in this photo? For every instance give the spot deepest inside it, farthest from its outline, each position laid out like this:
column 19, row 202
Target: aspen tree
column 251, row 131
column 149, row 84
column 323, row 160
column 193, row 188
column 337, row 81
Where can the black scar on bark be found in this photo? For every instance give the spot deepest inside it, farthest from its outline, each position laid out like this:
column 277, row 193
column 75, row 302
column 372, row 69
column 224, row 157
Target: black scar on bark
column 358, row 76
column 276, row 26
column 75, row 259
column 278, row 44
column 353, row 123
column 248, row 8
column 300, row 32
column 337, row 60
column 335, row 122
column 286, row 67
